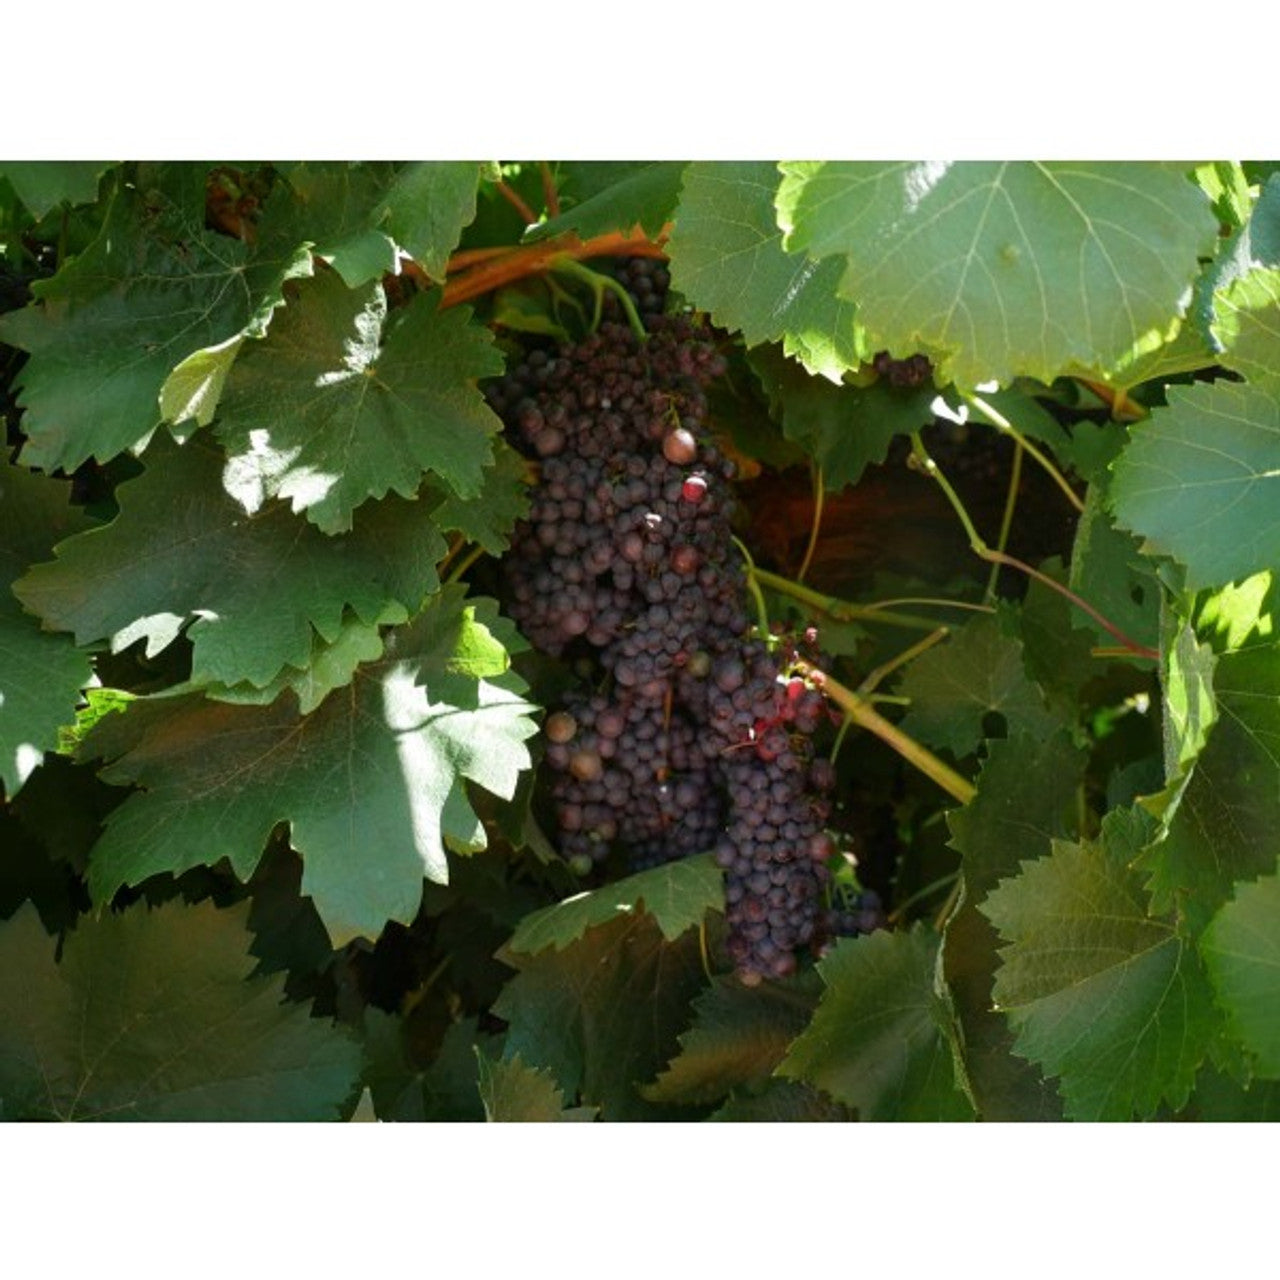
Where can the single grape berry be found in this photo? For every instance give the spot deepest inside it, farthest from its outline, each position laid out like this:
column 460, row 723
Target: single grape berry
column 561, row 726
column 680, row 447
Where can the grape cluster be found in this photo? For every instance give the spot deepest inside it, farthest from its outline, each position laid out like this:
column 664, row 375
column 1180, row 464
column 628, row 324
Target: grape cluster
column 689, row 738
column 912, row 372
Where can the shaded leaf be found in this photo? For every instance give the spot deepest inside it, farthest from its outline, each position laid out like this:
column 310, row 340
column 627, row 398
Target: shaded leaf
column 331, row 666
column 1219, row 1099
column 356, row 214
column 334, row 406
column 727, row 258
column 676, row 895
column 1057, row 650
column 783, row 1101
column 1241, row 950
column 1109, row 570
column 445, row 1090
column 955, row 685
column 1027, row 795
column 259, row 588
column 489, row 517
column 843, row 428
column 512, row 1091
column 1219, row 823
column 738, row 1037
column 878, row 1040
column 618, row 197
column 41, row 675
column 1108, row 1000
column 577, row 1012
column 106, row 331
column 123, row 1026
column 42, row 185
column 426, row 207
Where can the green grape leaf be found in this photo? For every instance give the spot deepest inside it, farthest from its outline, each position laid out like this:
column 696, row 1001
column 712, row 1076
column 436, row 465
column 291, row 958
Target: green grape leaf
column 356, row 214
column 1241, row 950
column 1109, row 570
column 574, row 1012
column 1004, row 269
column 1190, row 708
column 878, row 1040
column 512, row 1091
column 43, row 185
column 370, row 782
column 955, row 685
column 331, row 206
column 1221, row 1100
column 1227, row 185
column 1247, row 324
column 1108, row 1000
column 1235, row 616
column 1163, row 356
column 727, row 258
column 676, row 895
column 1244, row 297
column 738, row 1037
column 1199, row 481
column 104, row 333
column 333, row 408
column 447, row 1090
column 783, row 1102
column 259, row 587
column 843, row 428
column 152, row 1015
column 41, row 675
column 489, row 517
column 1058, row 652
column 1220, row 821
column 619, row 197
column 1027, row 794
column 332, row 665
column 427, row 206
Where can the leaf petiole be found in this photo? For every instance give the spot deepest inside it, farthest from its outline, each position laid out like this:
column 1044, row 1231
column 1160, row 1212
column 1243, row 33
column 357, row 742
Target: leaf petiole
column 1001, row 423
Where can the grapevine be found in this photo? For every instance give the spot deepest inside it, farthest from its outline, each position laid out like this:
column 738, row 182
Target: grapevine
column 639, row 641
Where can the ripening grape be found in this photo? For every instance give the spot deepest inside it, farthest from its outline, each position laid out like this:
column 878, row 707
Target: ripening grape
column 689, row 741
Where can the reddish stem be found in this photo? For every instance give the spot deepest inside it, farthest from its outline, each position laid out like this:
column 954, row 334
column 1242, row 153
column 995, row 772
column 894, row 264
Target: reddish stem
column 1141, row 650
column 512, row 197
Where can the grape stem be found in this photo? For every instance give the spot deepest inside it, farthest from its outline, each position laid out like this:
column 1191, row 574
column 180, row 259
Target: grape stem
column 1006, row 521
column 599, row 284
column 702, row 948
column 878, row 674
column 465, row 563
column 1123, row 409
column 861, row 712
column 549, row 192
column 936, row 601
column 753, row 585
column 840, row 610
column 475, row 276
column 900, row 910
column 925, row 463
column 1002, row 423
column 819, row 492
column 512, row 197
